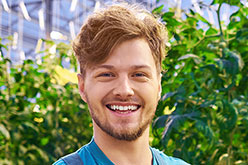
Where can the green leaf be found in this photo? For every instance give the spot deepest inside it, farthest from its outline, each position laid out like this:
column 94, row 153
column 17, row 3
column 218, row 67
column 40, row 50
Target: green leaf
column 44, row 141
column 18, row 77
column 235, row 59
column 167, row 95
column 192, row 21
column 158, row 10
column 160, row 121
column 199, row 17
column 168, row 15
column 171, row 122
column 211, row 31
column 205, row 129
column 242, row 35
column 196, row 59
column 177, row 37
column 3, row 46
column 4, row 131
column 230, row 2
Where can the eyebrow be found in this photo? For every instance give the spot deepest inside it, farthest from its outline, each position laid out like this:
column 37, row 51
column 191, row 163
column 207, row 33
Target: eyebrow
column 103, row 66
column 141, row 67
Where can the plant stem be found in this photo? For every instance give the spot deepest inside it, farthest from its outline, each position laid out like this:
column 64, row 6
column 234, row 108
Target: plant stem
column 229, row 149
column 219, row 21
column 205, row 37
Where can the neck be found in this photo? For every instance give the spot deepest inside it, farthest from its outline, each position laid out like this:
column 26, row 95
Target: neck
column 124, row 152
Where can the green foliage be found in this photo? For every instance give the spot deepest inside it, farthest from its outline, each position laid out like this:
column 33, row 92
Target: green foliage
column 206, row 84
column 40, row 120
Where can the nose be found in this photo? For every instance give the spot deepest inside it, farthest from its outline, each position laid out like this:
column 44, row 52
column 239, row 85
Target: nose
column 123, row 88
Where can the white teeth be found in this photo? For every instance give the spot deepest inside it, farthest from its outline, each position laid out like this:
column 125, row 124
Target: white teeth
column 123, row 108
column 113, row 107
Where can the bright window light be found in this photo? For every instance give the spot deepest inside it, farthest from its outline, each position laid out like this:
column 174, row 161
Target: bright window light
column 73, row 5
column 210, row 16
column 24, row 11
column 72, row 30
column 57, row 36
column 52, row 50
column 15, row 39
column 97, row 6
column 5, row 6
column 22, row 56
column 196, row 6
column 41, row 19
column 38, row 46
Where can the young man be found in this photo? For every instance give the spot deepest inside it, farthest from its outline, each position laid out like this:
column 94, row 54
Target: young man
column 120, row 50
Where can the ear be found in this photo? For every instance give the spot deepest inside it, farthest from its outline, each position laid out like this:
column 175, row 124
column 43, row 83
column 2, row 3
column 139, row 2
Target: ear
column 159, row 88
column 81, row 87
column 159, row 91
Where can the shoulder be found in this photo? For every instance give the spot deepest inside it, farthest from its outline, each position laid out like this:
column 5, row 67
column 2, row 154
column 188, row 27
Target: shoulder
column 83, row 153
column 59, row 162
column 167, row 159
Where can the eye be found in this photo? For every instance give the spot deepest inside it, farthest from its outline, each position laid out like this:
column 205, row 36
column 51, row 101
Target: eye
column 139, row 74
column 107, row 74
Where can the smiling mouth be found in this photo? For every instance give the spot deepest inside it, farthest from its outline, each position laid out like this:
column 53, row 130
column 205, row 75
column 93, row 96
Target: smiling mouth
column 123, row 109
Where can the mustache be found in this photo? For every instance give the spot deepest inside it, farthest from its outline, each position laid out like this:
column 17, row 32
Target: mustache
column 132, row 99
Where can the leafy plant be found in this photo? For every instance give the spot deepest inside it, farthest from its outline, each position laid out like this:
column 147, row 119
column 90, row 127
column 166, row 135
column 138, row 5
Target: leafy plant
column 203, row 114
column 41, row 118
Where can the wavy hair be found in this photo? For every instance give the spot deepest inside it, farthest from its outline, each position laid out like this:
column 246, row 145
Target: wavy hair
column 107, row 28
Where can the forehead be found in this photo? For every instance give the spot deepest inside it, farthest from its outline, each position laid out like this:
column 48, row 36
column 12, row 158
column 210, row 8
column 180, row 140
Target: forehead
column 131, row 53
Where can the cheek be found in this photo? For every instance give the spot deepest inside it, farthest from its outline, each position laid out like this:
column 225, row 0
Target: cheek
column 149, row 95
column 149, row 90
column 96, row 91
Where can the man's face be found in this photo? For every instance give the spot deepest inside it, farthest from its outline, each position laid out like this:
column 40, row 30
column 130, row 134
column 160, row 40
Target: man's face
column 122, row 93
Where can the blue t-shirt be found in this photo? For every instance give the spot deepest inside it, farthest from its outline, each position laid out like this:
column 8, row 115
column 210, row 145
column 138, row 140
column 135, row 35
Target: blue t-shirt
column 91, row 154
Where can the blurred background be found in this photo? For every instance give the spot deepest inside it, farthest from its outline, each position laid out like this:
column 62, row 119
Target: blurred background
column 29, row 20
column 203, row 113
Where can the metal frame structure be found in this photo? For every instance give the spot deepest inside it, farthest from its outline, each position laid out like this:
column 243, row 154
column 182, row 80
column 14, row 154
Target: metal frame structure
column 29, row 20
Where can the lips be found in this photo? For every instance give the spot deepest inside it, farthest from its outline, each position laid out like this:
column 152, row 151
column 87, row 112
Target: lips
column 123, row 108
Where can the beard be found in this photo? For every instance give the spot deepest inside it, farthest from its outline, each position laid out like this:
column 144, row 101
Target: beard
column 126, row 135
column 120, row 134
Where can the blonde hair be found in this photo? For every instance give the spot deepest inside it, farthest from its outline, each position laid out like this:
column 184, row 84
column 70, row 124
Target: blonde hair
column 107, row 28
